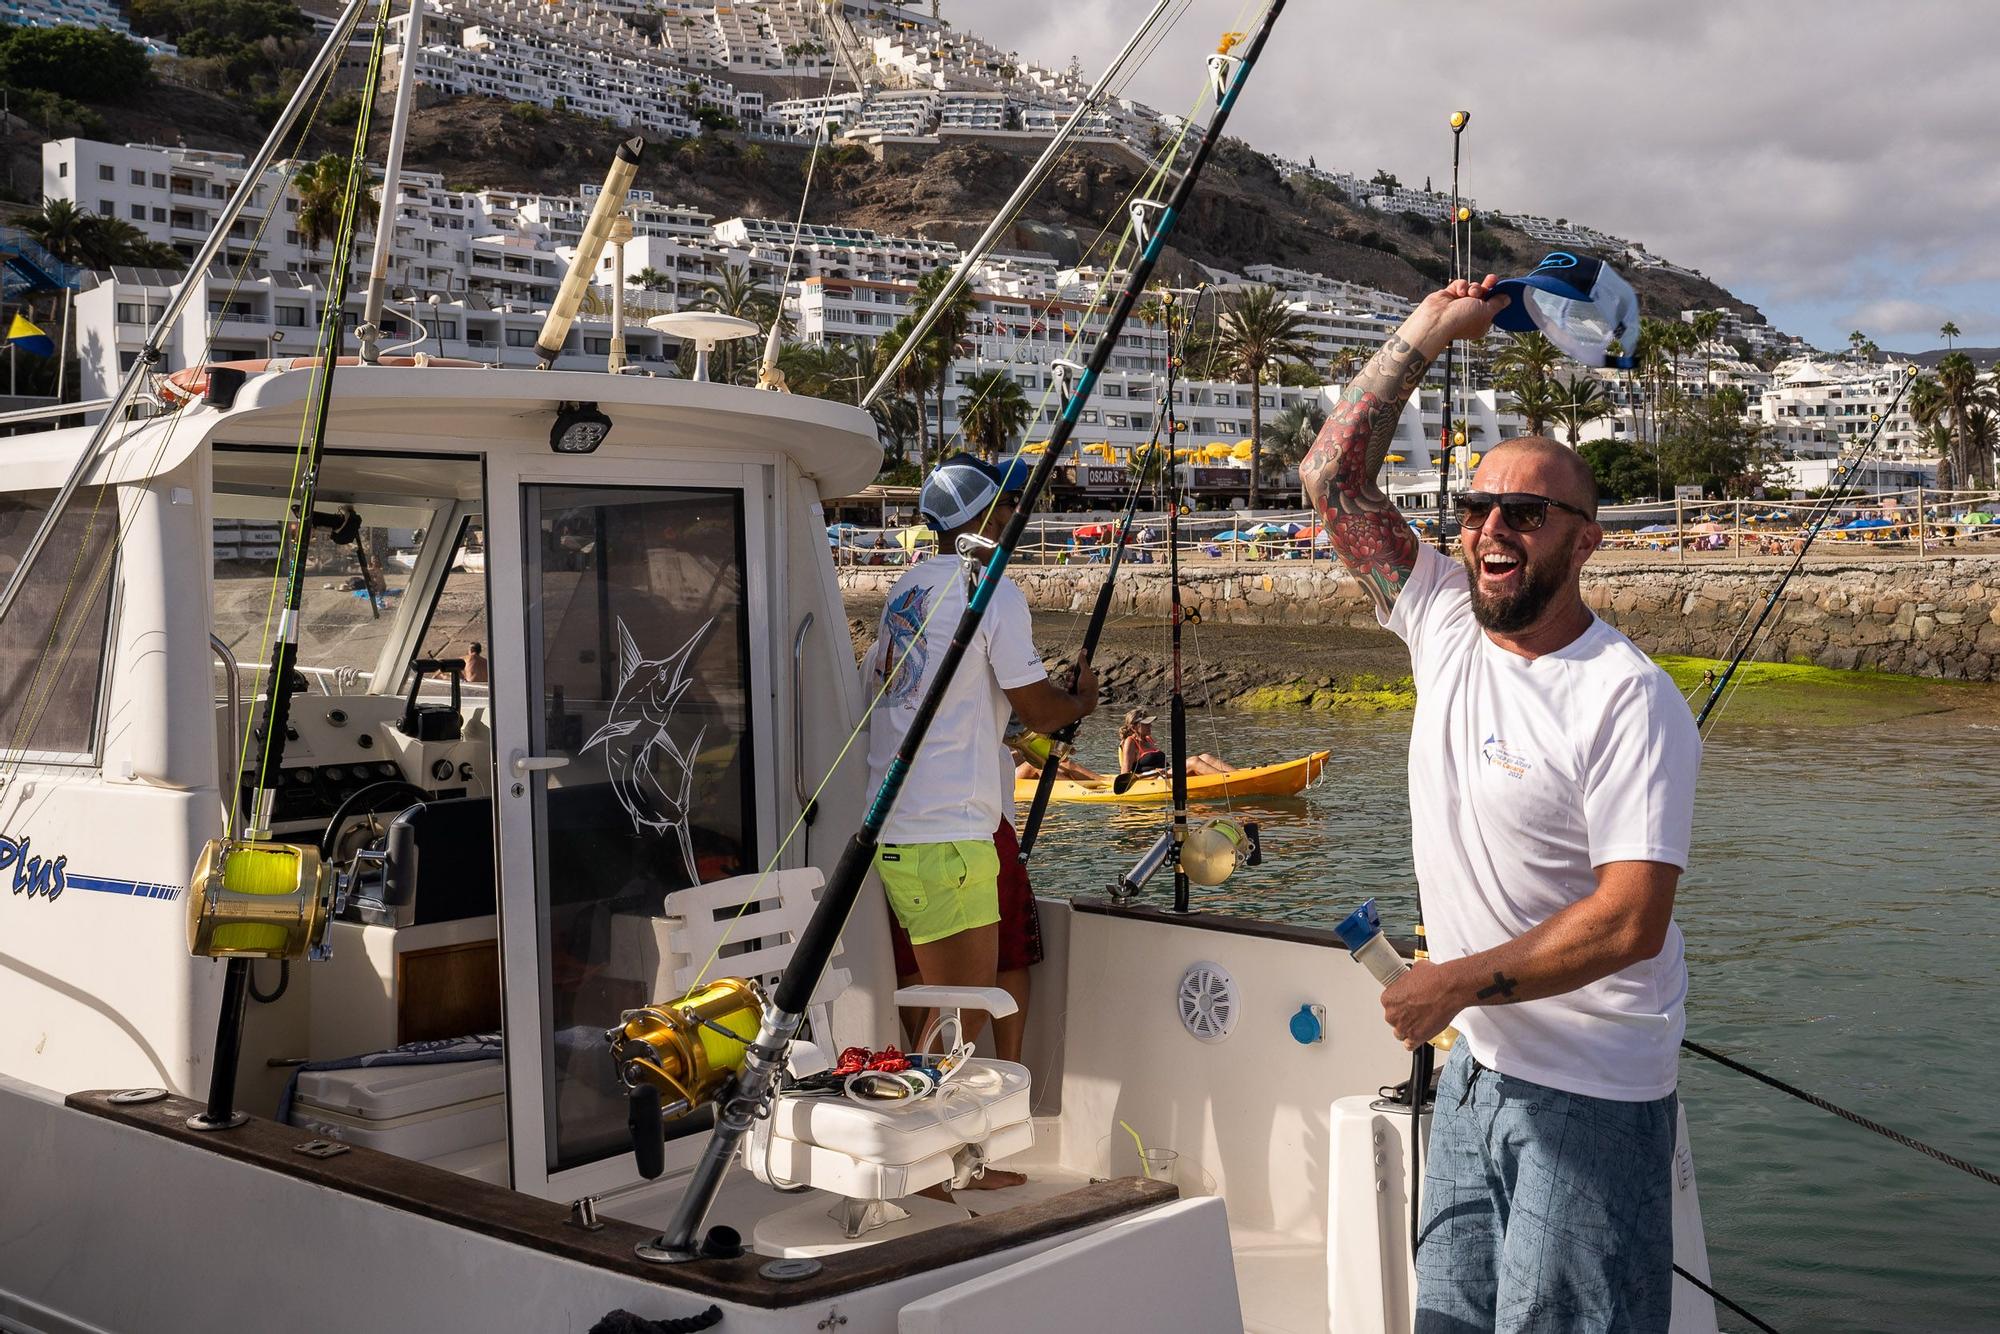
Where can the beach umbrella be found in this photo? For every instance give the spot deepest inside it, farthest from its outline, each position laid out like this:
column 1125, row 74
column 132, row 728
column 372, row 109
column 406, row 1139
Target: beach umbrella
column 1396, row 458
column 1657, row 528
column 1092, row 532
column 1231, row 535
column 1264, row 530
column 1294, row 529
column 1976, row 516
column 908, row 538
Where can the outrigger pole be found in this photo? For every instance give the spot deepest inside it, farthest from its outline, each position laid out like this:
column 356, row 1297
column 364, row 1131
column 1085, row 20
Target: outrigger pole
column 1004, row 219
column 1748, row 639
column 154, row 349
column 1061, row 745
column 370, row 330
column 1459, row 120
column 764, row 1062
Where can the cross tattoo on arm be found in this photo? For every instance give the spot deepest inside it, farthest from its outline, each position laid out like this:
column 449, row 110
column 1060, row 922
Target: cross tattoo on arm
column 1503, row 987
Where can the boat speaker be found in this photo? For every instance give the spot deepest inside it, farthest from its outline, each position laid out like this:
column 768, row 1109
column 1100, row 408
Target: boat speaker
column 688, row 1049
column 252, row 899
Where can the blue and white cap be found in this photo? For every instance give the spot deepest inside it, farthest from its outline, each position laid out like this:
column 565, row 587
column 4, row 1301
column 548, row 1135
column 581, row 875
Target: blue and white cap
column 1013, row 475
column 957, row 492
column 1580, row 304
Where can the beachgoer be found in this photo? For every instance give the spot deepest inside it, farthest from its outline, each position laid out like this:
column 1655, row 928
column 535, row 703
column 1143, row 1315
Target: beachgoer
column 1552, row 772
column 938, row 863
column 476, row 668
column 1139, row 753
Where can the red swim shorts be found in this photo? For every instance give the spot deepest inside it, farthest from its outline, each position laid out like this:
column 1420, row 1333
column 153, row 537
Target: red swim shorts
column 1020, row 923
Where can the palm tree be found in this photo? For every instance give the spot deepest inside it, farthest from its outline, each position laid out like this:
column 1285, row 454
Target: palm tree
column 1958, row 380
column 1289, row 436
column 322, row 190
column 1948, row 331
column 993, row 411
column 1931, row 411
column 1523, row 370
column 1855, row 339
column 736, row 293
column 650, row 279
column 1259, row 331
column 1582, row 400
column 913, row 377
column 1706, row 325
column 1340, row 367
column 62, row 229
column 946, row 332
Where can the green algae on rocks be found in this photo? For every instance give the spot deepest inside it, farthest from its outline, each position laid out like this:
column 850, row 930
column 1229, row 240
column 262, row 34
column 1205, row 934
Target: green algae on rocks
column 1358, row 694
column 1799, row 693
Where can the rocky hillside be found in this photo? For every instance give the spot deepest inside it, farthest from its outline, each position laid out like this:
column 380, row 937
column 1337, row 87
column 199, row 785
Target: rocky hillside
column 1244, row 213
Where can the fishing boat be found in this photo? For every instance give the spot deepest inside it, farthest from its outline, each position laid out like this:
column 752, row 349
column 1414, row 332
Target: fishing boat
column 1286, row 778
column 351, row 991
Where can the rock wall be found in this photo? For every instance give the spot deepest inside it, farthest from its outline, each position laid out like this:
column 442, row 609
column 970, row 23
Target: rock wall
column 1938, row 617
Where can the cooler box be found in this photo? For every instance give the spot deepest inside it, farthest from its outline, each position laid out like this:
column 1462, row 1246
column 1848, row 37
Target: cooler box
column 451, row 1115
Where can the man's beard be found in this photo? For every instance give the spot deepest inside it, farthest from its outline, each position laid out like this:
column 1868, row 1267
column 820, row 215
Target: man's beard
column 1509, row 613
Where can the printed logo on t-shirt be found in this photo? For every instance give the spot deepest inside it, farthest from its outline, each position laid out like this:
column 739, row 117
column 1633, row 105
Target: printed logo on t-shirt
column 1504, row 757
column 905, row 655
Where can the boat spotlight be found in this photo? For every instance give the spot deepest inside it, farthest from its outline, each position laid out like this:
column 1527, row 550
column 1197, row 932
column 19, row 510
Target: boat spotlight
column 252, row 899
column 580, row 428
column 1215, row 848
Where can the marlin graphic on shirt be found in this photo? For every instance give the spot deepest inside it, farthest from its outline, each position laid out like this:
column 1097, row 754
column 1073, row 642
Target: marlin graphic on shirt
column 637, row 745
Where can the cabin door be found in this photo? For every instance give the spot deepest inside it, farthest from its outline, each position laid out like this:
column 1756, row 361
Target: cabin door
column 639, row 765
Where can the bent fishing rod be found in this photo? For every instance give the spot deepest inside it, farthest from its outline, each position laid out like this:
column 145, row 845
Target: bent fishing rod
column 1748, row 640
column 1062, row 741
column 756, row 1083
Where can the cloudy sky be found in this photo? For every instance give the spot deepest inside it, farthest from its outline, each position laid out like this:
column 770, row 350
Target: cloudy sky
column 1835, row 162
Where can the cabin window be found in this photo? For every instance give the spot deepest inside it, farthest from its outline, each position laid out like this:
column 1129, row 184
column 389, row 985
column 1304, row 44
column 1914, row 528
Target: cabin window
column 52, row 642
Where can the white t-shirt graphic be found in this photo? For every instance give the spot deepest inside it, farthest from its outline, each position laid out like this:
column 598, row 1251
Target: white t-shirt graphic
column 1525, row 774
column 954, row 790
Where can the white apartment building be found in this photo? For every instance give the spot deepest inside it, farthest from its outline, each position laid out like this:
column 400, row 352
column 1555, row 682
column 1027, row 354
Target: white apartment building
column 269, row 314
column 1819, row 410
column 78, row 14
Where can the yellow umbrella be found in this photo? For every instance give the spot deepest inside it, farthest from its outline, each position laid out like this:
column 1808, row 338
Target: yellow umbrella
column 1396, row 458
column 908, row 538
column 1035, row 447
column 1242, row 450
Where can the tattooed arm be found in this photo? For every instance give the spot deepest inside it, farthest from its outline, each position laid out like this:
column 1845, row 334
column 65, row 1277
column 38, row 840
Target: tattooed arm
column 1363, row 526
column 1622, row 922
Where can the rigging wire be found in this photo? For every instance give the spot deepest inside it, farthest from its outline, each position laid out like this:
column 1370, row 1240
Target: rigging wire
column 891, row 669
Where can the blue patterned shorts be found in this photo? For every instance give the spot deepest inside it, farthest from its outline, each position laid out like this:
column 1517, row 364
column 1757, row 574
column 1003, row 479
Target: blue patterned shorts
column 1544, row 1211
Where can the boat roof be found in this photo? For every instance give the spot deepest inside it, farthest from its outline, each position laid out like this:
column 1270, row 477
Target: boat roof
column 492, row 409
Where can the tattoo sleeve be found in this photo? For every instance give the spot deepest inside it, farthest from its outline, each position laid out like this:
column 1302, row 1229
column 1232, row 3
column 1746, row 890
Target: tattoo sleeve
column 1364, row 528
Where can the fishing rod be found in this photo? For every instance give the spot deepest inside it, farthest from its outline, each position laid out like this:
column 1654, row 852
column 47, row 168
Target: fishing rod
column 755, row 1084
column 1176, row 705
column 1748, row 639
column 153, row 350
column 1459, row 120
column 1061, row 744
column 242, row 860
column 1037, row 173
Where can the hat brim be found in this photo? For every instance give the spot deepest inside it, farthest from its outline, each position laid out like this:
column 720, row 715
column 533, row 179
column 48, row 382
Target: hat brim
column 1515, row 316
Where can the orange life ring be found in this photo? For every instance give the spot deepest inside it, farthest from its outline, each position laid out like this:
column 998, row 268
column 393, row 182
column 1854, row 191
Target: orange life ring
column 185, row 386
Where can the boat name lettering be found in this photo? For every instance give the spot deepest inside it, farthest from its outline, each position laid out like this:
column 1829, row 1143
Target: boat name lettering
column 34, row 876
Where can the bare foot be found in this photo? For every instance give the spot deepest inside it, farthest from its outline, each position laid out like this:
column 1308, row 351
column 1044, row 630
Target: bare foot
column 995, row 1179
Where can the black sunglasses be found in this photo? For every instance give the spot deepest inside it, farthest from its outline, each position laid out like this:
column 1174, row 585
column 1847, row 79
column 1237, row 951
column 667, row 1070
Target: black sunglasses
column 1523, row 511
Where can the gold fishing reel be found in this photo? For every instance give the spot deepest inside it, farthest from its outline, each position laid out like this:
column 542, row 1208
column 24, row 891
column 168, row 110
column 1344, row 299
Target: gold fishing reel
column 1215, row 848
column 688, row 1048
column 254, row 899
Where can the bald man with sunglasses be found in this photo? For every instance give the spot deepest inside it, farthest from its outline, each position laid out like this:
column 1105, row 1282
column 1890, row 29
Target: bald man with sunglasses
column 1552, row 769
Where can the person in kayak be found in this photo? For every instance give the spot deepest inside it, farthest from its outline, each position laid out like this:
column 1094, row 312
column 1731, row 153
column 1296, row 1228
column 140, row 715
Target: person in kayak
column 1139, row 753
column 1551, row 774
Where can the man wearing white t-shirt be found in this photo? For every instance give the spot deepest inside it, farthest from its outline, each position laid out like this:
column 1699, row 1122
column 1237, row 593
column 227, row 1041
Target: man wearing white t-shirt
column 1552, row 770
column 937, row 860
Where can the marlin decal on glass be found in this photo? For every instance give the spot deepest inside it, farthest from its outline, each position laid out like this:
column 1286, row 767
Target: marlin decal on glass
column 651, row 774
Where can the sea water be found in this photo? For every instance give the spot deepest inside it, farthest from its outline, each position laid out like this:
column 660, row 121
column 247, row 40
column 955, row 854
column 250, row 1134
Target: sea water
column 1842, row 919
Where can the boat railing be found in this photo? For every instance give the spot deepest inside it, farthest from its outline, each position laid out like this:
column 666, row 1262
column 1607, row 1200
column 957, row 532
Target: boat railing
column 1912, row 521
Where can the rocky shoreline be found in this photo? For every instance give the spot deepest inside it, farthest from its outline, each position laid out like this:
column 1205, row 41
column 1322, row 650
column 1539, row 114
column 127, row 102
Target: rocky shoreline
column 1909, row 639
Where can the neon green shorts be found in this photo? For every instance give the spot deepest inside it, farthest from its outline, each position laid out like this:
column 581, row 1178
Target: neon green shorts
column 940, row 889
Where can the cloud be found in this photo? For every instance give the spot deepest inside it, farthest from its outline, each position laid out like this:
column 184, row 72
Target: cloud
column 1894, row 315
column 1809, row 156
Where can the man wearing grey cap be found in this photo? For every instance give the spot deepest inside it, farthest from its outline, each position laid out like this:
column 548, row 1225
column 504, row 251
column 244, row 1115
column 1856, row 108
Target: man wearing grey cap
column 937, row 860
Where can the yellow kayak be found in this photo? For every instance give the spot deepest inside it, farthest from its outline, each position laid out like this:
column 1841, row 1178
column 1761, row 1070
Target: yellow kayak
column 1269, row 780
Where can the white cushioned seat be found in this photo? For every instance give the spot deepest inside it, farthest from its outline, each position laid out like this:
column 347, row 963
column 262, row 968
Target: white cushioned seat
column 884, row 1151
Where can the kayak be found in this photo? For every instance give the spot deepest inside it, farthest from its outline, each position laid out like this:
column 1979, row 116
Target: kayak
column 1287, row 779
